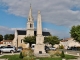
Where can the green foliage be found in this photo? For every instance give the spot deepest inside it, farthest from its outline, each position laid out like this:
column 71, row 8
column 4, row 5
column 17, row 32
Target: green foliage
column 75, row 32
column 1, row 37
column 62, row 54
column 21, row 56
column 30, row 39
column 61, row 47
column 51, row 40
column 28, row 54
column 16, row 57
column 9, row 36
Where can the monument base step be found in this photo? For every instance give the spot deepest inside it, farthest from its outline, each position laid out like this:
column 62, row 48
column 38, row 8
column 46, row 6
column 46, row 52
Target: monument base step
column 42, row 55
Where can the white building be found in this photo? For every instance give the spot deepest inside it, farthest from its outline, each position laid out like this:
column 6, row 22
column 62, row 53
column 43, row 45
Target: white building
column 69, row 42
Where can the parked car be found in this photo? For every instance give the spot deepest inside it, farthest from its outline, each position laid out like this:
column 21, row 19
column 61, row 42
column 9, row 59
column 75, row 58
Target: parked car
column 8, row 49
column 19, row 49
column 52, row 48
column 32, row 46
column 73, row 48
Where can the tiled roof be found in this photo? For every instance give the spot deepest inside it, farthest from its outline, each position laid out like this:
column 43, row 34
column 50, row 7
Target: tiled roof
column 66, row 39
column 7, row 40
column 1, row 42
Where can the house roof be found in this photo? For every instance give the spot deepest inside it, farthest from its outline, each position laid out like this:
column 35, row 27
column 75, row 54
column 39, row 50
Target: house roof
column 23, row 32
column 7, row 40
column 66, row 39
column 1, row 42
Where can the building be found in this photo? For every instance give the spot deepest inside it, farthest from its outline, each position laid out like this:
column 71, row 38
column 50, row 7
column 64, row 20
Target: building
column 69, row 42
column 6, row 43
column 20, row 34
column 1, row 44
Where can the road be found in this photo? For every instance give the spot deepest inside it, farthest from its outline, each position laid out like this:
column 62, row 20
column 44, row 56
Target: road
column 73, row 52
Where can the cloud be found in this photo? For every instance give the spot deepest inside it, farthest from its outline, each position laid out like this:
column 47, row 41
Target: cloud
column 58, row 12
column 5, row 30
column 59, row 33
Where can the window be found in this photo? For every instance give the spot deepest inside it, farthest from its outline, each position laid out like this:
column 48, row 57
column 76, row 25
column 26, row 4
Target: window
column 31, row 25
column 21, row 40
column 40, row 52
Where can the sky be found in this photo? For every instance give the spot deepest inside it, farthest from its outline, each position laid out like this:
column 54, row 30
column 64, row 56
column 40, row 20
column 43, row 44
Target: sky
column 58, row 16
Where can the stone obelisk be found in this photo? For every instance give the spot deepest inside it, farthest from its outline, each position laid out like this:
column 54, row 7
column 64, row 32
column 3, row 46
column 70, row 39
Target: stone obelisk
column 40, row 46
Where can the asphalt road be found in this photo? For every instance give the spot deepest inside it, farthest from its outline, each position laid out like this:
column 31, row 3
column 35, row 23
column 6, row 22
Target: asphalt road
column 74, row 52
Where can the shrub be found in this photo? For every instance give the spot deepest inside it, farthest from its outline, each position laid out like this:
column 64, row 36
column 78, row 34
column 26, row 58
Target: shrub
column 27, row 54
column 57, row 53
column 61, row 47
column 24, row 53
column 62, row 54
column 54, row 53
column 21, row 56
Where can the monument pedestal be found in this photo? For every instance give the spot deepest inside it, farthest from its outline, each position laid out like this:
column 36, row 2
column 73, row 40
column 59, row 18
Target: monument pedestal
column 39, row 47
column 39, row 50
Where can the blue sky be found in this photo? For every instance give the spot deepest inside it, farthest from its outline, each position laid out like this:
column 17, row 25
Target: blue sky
column 57, row 17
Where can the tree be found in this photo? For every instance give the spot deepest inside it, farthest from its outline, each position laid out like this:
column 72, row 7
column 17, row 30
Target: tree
column 62, row 54
column 51, row 40
column 9, row 36
column 1, row 37
column 75, row 33
column 30, row 39
column 21, row 56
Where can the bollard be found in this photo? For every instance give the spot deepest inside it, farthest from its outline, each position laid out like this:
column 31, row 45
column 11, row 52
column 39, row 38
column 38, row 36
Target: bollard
column 12, row 53
column 63, row 59
column 66, row 52
column 37, row 59
column 77, row 54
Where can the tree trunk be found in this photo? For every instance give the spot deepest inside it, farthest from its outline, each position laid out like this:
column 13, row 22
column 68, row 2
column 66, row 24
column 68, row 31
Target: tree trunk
column 52, row 45
column 30, row 45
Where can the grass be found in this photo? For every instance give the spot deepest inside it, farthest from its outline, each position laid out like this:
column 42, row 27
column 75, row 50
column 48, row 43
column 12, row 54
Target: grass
column 59, row 58
column 16, row 57
column 70, row 57
column 11, row 57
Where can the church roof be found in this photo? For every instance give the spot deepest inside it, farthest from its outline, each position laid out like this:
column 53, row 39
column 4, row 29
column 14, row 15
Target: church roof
column 23, row 32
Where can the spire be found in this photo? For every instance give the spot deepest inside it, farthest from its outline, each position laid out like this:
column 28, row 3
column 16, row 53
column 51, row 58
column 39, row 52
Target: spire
column 30, row 18
column 39, row 12
column 39, row 25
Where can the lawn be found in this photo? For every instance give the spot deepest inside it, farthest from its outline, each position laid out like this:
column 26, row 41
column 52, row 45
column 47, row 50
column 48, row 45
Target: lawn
column 16, row 57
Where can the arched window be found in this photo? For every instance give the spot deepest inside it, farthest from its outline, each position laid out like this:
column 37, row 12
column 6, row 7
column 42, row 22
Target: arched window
column 31, row 25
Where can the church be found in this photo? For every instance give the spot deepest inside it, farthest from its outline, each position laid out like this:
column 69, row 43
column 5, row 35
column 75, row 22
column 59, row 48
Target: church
column 30, row 31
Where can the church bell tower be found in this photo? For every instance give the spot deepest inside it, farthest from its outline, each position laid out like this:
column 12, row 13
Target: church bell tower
column 30, row 24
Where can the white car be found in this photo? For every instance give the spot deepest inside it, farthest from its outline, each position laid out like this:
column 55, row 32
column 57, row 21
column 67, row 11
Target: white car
column 8, row 49
column 52, row 48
